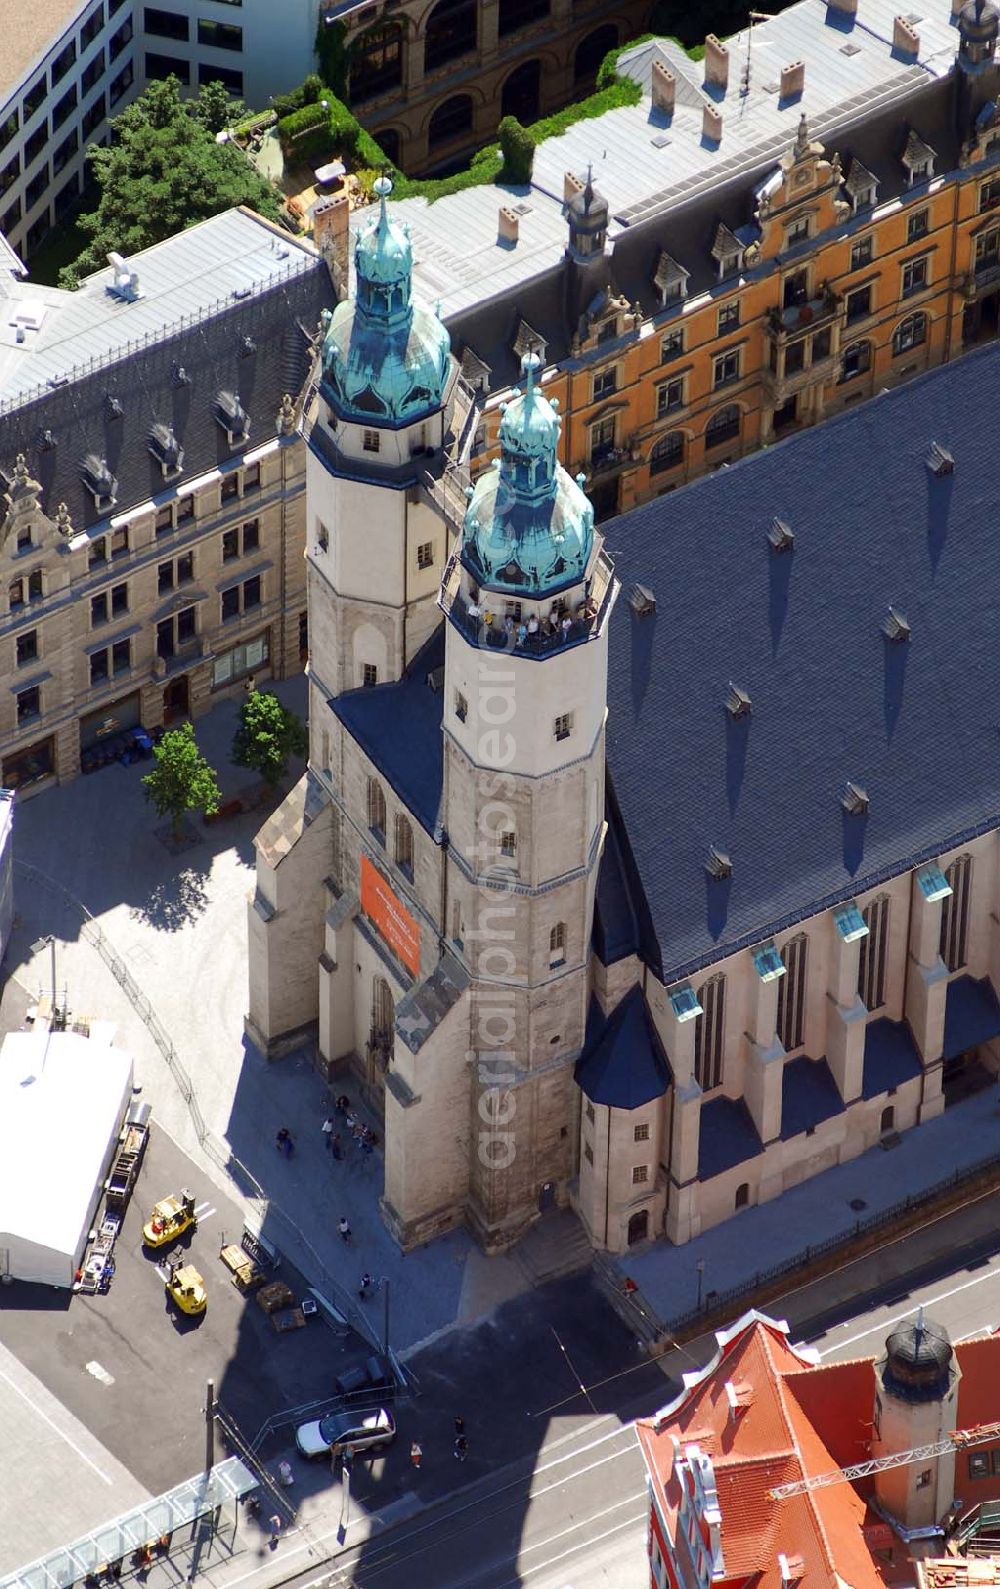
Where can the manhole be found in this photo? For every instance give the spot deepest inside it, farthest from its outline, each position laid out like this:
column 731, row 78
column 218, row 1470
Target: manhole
column 857, row 1203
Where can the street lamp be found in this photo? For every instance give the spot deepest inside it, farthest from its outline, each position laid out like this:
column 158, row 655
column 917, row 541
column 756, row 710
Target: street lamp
column 48, row 942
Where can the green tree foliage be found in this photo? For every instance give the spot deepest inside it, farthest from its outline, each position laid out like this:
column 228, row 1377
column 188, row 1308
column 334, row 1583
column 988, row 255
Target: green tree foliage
column 214, row 108
column 518, row 149
column 164, row 171
column 181, row 779
column 267, row 735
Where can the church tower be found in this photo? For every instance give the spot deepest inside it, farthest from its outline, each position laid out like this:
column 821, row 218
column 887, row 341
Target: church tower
column 375, row 545
column 527, row 600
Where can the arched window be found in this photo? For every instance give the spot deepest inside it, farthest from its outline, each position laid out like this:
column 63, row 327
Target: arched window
column 383, row 1020
column 742, row 1195
column 557, row 944
column 450, row 120
column 910, row 333
column 516, row 14
column 723, row 426
column 404, row 846
column 376, row 62
column 954, row 940
column 376, row 809
column 667, row 452
column 451, row 32
column 388, row 142
column 709, row 1031
column 591, row 51
column 872, row 955
column 521, row 93
column 792, row 993
column 857, row 360
column 888, row 1118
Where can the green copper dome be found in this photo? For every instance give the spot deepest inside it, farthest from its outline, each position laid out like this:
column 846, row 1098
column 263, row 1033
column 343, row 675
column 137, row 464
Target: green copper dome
column 529, row 529
column 384, row 356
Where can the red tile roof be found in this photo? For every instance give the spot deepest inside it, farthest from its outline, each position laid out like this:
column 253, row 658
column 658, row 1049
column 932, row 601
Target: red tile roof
column 793, row 1419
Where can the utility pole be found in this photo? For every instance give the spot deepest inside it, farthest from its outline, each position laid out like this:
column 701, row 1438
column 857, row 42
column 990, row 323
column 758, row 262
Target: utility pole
column 48, row 942
column 209, row 1427
column 385, row 1322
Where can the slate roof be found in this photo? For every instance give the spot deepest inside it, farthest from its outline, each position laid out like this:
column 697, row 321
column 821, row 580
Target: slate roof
column 398, row 726
column 255, row 345
column 833, row 699
column 891, row 1057
column 809, row 1095
column 727, row 1136
column 624, row 1064
column 971, row 1015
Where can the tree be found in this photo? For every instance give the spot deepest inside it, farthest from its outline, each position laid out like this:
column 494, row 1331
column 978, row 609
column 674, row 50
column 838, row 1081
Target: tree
column 518, row 149
column 162, row 172
column 215, row 108
column 181, row 779
column 267, row 735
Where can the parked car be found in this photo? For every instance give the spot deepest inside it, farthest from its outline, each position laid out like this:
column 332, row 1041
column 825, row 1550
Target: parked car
column 343, row 1431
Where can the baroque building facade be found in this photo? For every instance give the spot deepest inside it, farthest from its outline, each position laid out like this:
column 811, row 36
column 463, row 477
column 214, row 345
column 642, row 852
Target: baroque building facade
column 153, row 528
column 655, row 904
column 802, row 219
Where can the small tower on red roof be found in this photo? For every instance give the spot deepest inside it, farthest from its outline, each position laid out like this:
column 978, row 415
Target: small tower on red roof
column 916, row 1403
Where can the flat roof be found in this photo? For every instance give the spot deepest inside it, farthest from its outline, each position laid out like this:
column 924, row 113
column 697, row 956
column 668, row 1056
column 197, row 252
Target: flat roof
column 644, row 164
column 30, row 28
column 203, row 270
column 61, row 1097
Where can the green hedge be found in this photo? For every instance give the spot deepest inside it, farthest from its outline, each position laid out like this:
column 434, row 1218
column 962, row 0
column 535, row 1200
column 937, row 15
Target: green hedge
column 321, row 127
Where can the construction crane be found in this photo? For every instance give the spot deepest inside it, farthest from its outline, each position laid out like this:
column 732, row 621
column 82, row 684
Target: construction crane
column 957, row 1440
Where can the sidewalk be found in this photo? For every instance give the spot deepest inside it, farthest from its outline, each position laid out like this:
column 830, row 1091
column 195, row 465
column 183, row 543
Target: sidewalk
column 178, row 923
column 824, row 1208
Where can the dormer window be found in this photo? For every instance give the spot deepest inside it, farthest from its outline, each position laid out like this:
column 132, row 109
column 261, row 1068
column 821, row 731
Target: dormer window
column 232, row 416
column 99, row 480
column 527, row 341
column 670, row 281
column 166, row 449
column 861, row 187
column 726, row 250
column 918, row 159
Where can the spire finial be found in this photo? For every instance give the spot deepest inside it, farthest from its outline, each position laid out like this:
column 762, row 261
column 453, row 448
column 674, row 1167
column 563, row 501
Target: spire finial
column 530, row 365
column 802, row 137
column 382, row 187
column 588, row 191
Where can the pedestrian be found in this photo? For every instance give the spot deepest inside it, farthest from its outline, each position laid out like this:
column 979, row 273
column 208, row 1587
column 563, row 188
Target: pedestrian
column 459, row 1426
column 416, row 1454
column 461, row 1448
column 336, row 1147
column 341, row 1105
column 345, row 1230
column 367, row 1281
column 328, row 1125
column 565, row 626
column 274, row 1524
column 284, row 1142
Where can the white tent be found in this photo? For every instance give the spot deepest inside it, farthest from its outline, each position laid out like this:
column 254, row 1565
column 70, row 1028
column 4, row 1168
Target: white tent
column 62, row 1099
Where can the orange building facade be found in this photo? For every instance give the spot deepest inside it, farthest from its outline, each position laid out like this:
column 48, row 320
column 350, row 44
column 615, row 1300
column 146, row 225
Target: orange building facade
column 773, row 304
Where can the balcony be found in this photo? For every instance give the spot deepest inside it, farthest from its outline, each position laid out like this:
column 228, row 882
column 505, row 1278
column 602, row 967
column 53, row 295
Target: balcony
column 778, row 390
column 586, row 618
column 785, row 325
column 983, row 278
column 608, row 459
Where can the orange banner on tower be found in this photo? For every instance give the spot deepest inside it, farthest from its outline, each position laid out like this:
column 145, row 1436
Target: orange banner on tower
column 388, row 913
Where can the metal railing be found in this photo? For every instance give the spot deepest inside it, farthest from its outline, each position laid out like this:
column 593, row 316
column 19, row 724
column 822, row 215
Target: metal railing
column 246, row 1182
column 366, row 1399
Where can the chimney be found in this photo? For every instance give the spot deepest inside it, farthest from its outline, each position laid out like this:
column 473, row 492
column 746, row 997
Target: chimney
column 847, row 8
column 663, row 85
column 572, row 185
column 793, row 80
column 711, row 125
column 905, row 39
column 507, row 224
column 331, row 222
column 716, row 63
